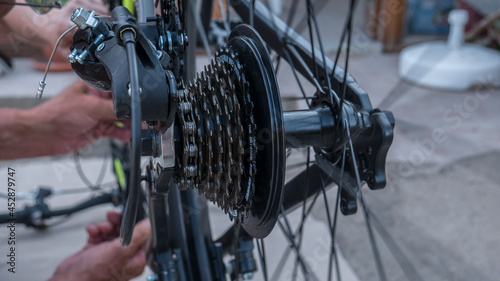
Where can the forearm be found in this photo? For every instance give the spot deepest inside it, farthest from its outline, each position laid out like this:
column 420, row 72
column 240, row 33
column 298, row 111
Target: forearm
column 17, row 135
column 27, row 26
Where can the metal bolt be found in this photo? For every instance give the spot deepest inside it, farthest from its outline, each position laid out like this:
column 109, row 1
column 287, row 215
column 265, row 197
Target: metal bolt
column 130, row 90
column 72, row 56
column 83, row 18
column 100, row 47
column 192, row 150
column 80, row 59
column 190, row 171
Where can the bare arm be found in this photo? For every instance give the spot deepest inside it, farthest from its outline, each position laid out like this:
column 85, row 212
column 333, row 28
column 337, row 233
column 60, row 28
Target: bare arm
column 65, row 123
column 26, row 25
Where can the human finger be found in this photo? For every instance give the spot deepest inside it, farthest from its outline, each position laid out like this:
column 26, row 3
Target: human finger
column 136, row 264
column 92, row 231
column 141, row 233
column 110, row 130
column 114, row 217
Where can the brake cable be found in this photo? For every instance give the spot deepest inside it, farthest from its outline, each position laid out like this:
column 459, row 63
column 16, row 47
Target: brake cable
column 42, row 84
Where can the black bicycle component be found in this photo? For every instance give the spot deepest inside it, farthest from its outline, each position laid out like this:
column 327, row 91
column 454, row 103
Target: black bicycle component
column 244, row 263
column 125, row 26
column 104, row 67
column 304, row 128
column 162, row 260
column 231, row 127
column 270, row 158
column 150, row 143
column 231, row 132
column 370, row 144
column 35, row 216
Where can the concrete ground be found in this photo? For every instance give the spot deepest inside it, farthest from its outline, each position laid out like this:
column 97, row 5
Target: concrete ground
column 438, row 213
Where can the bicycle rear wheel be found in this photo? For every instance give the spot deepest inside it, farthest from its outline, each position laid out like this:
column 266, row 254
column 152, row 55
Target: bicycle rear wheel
column 337, row 124
column 359, row 156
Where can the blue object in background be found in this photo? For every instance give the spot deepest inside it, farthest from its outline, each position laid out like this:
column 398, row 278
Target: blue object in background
column 428, row 16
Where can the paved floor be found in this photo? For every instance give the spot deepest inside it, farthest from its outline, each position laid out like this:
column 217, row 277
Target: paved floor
column 440, row 206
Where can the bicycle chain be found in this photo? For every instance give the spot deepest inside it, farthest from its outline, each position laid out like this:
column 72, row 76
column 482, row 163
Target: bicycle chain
column 218, row 154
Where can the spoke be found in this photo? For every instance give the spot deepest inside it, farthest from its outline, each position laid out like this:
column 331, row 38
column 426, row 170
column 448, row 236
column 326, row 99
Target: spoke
column 281, row 264
column 366, row 213
column 344, row 84
column 225, row 20
column 288, row 232
column 301, row 24
column 291, row 49
column 262, row 255
column 335, row 215
column 284, row 257
column 311, row 35
column 333, row 252
column 342, row 37
column 199, row 27
column 278, row 61
column 301, row 226
column 84, row 178
column 310, row 10
column 252, row 12
column 304, row 96
column 228, row 16
column 291, row 15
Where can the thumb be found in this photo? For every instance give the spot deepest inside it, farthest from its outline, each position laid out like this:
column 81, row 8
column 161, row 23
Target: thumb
column 141, row 233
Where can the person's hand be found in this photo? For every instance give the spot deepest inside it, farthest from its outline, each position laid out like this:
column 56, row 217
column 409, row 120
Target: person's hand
column 44, row 30
column 104, row 231
column 4, row 9
column 59, row 21
column 74, row 119
column 67, row 122
column 103, row 258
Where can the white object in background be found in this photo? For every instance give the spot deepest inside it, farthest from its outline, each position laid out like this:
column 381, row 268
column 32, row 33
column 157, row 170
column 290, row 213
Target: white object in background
column 450, row 65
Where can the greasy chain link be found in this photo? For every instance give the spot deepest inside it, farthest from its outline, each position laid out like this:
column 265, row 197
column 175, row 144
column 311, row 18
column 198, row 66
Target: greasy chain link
column 218, row 135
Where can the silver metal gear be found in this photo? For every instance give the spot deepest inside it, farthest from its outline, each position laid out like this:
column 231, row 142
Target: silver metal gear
column 218, row 135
